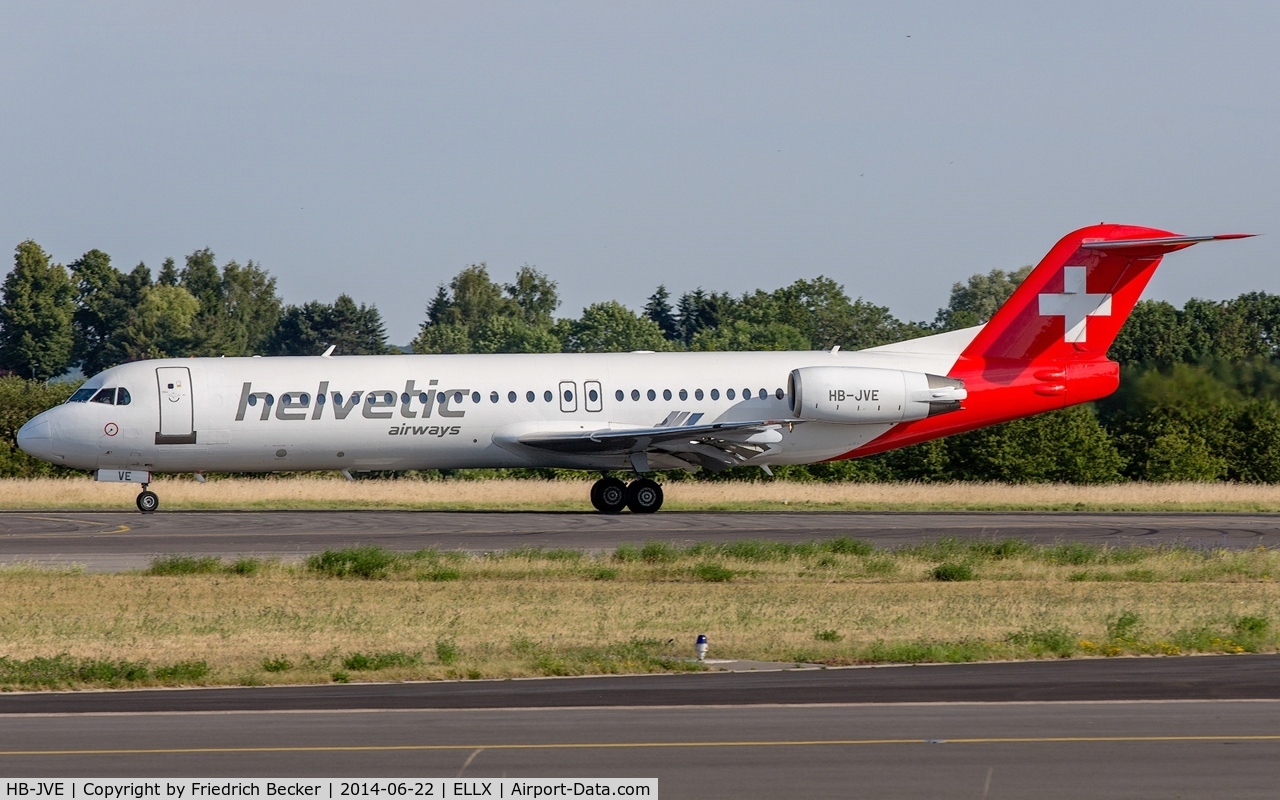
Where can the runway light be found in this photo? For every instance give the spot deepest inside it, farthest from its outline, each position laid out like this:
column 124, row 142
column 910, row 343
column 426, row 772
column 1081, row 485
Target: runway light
column 700, row 647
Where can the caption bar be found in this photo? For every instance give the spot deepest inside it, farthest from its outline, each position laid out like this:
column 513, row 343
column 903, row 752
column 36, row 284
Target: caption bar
column 202, row 788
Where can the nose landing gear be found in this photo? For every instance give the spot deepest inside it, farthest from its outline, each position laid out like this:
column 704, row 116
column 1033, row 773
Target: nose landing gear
column 610, row 496
column 148, row 501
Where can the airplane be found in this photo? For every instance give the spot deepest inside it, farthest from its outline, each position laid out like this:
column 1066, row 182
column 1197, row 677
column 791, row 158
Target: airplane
column 639, row 412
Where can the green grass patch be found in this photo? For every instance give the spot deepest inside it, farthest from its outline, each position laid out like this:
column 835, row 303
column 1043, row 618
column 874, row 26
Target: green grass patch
column 713, row 573
column 952, row 571
column 369, row 662
column 185, row 565
column 63, row 671
column 353, row 562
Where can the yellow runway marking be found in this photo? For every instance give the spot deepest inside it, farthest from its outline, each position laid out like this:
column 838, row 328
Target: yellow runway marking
column 119, row 528
column 637, row 745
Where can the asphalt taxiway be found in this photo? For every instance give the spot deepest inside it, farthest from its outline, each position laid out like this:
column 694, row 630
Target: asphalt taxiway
column 1187, row 727
column 105, row 540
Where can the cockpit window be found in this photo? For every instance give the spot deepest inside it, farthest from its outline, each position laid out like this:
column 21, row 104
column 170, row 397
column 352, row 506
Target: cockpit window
column 123, row 398
column 81, row 396
column 107, row 396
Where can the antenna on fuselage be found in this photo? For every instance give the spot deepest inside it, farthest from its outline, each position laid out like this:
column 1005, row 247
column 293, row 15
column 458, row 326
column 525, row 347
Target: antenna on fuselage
column 329, row 352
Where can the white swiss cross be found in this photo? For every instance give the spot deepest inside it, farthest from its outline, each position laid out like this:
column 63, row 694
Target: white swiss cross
column 1075, row 304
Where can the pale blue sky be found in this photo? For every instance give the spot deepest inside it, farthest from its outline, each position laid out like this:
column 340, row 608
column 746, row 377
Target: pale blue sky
column 376, row 148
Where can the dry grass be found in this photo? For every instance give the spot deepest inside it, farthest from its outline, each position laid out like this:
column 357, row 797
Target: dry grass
column 439, row 615
column 317, row 492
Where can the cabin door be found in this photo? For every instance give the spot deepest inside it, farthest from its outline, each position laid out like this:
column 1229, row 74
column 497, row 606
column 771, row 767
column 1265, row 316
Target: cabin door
column 177, row 413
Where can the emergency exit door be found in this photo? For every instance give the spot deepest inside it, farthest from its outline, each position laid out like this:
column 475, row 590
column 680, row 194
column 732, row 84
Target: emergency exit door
column 177, row 414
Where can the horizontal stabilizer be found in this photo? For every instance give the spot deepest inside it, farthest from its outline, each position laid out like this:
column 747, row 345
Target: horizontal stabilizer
column 1156, row 246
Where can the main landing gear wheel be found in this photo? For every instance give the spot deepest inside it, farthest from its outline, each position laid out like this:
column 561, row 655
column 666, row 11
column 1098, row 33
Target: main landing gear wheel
column 148, row 501
column 609, row 495
column 644, row 496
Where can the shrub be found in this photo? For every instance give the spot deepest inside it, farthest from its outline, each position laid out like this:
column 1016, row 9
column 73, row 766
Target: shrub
column 185, row 565
column 356, row 562
column 362, row 662
column 246, row 566
column 1251, row 626
column 281, row 664
column 847, row 546
column 447, row 652
column 1123, row 627
column 1057, row 640
column 828, row 636
column 713, row 573
column 440, row 574
column 183, row 671
column 952, row 571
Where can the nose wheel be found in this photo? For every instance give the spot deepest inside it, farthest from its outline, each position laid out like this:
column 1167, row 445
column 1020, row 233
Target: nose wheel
column 610, row 496
column 148, row 501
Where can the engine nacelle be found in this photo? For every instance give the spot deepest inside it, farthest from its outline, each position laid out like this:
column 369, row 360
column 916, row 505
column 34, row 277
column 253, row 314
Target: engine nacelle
column 866, row 395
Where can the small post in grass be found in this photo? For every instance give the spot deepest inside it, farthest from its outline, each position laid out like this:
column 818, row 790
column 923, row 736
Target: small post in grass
column 700, row 647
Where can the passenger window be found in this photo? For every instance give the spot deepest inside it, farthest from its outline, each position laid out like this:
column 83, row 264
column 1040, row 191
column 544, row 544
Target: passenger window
column 475, row 397
column 666, row 394
column 763, row 394
column 511, row 397
column 106, row 396
column 729, row 394
column 547, row 395
column 529, row 396
column 493, row 397
column 778, row 393
column 81, row 396
column 652, row 395
column 684, row 395
column 697, row 394
column 715, row 394
column 635, row 394
column 619, row 395
column 593, row 395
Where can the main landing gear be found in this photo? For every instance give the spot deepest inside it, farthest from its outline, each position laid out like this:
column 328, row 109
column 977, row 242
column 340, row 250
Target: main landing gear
column 610, row 496
column 148, row 501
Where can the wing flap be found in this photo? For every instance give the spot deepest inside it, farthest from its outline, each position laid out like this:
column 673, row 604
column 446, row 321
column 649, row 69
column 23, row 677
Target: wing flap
column 715, row 446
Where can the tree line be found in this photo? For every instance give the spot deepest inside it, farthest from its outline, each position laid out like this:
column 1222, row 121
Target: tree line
column 1199, row 397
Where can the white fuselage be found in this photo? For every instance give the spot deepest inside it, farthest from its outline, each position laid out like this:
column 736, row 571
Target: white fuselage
column 433, row 412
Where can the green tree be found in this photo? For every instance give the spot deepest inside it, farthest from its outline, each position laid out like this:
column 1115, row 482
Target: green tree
column 20, row 400
column 535, row 295
column 698, row 311
column 744, row 335
column 611, row 327
column 1068, row 446
column 977, row 300
column 36, row 333
column 161, row 325
column 106, row 299
column 239, row 307
column 476, row 315
column 659, row 310
column 1154, row 334
column 311, row 328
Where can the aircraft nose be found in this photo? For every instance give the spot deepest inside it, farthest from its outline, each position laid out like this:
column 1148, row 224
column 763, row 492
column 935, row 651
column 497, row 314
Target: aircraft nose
column 35, row 438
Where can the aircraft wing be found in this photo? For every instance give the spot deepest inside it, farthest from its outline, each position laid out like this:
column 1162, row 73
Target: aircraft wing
column 714, row 446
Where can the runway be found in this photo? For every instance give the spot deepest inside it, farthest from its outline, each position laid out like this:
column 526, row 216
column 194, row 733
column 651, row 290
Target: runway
column 739, row 735
column 108, row 540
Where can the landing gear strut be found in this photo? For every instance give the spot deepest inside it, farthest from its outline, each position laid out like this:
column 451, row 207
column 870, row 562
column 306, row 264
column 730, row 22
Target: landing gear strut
column 148, row 501
column 610, row 496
